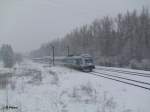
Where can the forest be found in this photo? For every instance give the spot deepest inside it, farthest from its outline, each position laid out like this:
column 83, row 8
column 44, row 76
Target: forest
column 121, row 41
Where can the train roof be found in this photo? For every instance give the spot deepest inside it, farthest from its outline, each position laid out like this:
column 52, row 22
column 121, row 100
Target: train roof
column 80, row 56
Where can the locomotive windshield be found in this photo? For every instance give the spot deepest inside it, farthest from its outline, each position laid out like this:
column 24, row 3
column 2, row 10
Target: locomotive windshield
column 88, row 61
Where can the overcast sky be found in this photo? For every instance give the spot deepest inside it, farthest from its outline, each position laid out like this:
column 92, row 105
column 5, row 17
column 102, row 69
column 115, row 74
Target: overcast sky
column 26, row 24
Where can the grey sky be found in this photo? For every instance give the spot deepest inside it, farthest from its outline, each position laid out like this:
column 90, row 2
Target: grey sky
column 26, row 24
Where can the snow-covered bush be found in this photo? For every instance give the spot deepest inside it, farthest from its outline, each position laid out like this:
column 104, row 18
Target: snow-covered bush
column 36, row 77
column 135, row 64
column 84, row 93
column 106, row 103
column 55, row 78
column 143, row 64
column 108, row 61
column 104, row 61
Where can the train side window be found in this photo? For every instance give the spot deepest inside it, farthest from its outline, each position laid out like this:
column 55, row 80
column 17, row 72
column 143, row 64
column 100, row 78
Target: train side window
column 78, row 61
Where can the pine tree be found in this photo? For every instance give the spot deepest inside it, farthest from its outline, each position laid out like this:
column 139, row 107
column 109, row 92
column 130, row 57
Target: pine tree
column 7, row 56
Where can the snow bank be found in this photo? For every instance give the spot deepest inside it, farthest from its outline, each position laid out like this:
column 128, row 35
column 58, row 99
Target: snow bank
column 60, row 89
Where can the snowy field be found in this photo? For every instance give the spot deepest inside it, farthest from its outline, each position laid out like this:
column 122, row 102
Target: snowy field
column 37, row 88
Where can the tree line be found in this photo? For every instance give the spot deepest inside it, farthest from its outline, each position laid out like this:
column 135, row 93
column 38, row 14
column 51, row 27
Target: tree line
column 122, row 41
column 8, row 56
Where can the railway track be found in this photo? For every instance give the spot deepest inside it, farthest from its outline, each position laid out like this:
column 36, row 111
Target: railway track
column 116, row 76
column 136, row 83
column 126, row 72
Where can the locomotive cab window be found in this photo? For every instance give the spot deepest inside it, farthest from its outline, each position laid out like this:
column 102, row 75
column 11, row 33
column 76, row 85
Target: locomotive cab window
column 88, row 61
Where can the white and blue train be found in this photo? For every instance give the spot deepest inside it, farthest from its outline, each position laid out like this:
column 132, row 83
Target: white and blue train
column 82, row 62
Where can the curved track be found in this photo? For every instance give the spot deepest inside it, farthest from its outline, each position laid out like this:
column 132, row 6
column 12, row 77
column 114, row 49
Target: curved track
column 140, row 84
column 126, row 72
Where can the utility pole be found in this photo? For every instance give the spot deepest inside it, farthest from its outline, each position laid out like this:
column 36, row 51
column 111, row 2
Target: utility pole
column 7, row 105
column 50, row 59
column 68, row 50
column 53, row 49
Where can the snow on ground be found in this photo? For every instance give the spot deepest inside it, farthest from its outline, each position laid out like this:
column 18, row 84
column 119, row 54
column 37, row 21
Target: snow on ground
column 36, row 88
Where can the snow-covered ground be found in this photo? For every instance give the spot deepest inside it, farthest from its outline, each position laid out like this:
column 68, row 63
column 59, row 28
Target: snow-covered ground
column 37, row 88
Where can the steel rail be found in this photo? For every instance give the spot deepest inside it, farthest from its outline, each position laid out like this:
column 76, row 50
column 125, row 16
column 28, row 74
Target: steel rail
column 123, row 78
column 107, row 77
column 126, row 72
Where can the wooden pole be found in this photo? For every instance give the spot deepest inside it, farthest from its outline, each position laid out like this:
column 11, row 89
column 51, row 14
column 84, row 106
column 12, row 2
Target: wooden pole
column 68, row 50
column 53, row 49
